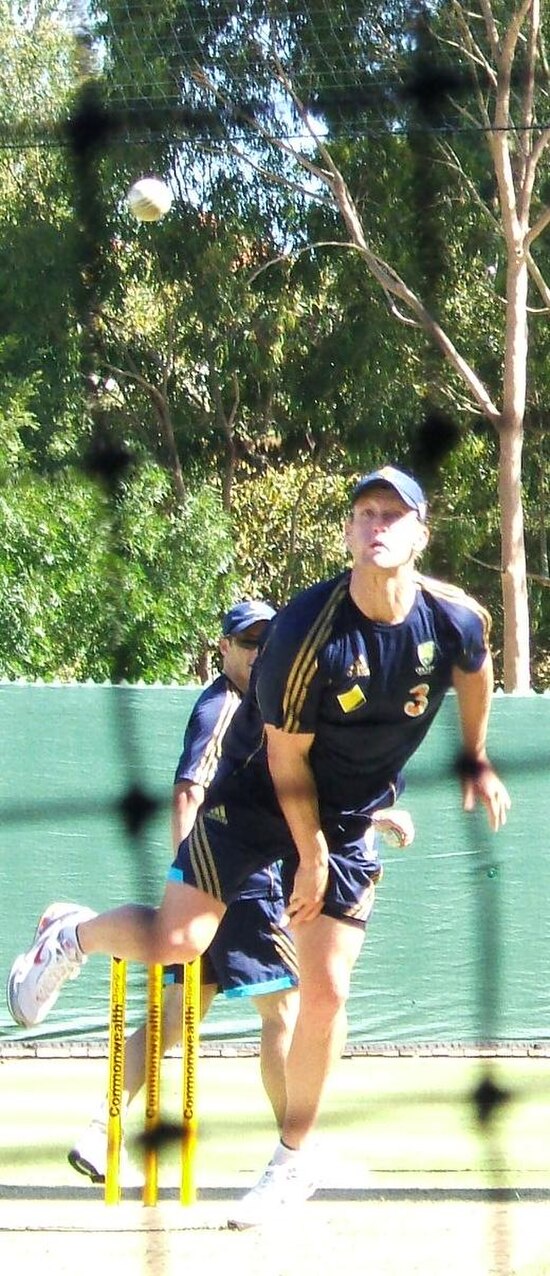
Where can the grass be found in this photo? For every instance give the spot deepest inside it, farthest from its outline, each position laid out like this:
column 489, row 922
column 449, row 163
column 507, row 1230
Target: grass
column 382, row 1117
column 413, row 1183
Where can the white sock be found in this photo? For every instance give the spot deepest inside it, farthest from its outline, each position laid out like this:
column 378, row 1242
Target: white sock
column 73, row 933
column 282, row 1155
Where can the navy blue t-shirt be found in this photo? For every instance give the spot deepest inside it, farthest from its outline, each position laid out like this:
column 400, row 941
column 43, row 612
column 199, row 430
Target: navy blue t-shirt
column 202, row 745
column 366, row 691
column 207, row 725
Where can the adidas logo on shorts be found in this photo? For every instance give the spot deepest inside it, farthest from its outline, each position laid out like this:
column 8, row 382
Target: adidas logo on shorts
column 218, row 813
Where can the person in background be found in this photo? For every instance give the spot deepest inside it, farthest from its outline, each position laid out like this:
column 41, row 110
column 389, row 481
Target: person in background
column 252, row 955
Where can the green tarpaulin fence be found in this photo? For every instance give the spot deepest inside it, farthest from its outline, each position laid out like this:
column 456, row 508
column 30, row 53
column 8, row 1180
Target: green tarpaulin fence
column 458, row 949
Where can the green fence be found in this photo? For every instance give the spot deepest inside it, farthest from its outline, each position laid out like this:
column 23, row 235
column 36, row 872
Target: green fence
column 458, row 950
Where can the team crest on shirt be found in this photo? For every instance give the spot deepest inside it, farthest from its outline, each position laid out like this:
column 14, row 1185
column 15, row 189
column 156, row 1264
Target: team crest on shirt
column 426, row 654
column 350, row 700
column 359, row 668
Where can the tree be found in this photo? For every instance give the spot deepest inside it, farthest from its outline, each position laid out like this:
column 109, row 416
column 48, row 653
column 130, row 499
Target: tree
column 242, row 341
column 501, row 56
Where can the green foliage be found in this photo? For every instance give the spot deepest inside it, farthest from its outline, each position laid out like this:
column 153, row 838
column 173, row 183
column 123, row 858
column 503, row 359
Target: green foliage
column 16, row 417
column 288, row 528
column 275, row 385
column 177, row 576
column 88, row 590
column 37, row 65
column 38, row 233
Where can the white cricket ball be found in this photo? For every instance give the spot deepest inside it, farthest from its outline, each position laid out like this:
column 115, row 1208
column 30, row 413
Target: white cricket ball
column 149, row 199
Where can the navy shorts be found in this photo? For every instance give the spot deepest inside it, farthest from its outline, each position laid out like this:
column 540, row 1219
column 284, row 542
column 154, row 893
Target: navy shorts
column 222, row 851
column 251, row 953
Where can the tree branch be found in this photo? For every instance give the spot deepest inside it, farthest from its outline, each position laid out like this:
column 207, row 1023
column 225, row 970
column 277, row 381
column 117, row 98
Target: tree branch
column 276, row 179
column 492, row 567
column 201, row 78
column 541, row 223
column 491, row 28
column 151, row 390
column 502, row 127
column 538, row 150
column 538, row 280
column 473, row 52
column 453, row 162
column 527, row 112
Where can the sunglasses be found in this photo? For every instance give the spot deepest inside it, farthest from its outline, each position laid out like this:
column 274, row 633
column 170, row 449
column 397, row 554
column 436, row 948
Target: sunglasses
column 249, row 644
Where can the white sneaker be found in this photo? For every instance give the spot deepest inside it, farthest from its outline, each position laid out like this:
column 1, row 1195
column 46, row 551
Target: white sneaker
column 89, row 1156
column 37, row 976
column 53, row 913
column 283, row 1186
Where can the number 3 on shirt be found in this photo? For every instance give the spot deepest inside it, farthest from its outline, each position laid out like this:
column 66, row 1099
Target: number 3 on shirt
column 419, row 702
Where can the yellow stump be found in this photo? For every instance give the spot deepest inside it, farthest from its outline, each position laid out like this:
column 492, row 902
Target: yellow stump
column 153, row 1054
column 190, row 1057
column 115, row 1089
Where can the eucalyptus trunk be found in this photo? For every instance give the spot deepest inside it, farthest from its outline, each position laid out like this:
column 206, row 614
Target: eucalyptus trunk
column 511, row 433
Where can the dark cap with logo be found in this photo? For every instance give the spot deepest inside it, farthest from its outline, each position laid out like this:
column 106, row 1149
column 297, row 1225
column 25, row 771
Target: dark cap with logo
column 404, row 484
column 245, row 614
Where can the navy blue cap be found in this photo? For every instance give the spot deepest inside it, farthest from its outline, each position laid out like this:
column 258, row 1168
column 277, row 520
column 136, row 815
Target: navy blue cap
column 244, row 614
column 404, row 484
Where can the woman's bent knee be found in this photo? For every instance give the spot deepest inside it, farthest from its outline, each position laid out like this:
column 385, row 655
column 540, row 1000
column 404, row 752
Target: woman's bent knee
column 176, row 941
